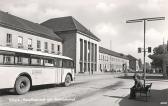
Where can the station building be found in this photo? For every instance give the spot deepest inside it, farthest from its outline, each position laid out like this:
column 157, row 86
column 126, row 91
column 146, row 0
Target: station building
column 78, row 42
column 20, row 33
column 112, row 61
column 61, row 36
column 133, row 63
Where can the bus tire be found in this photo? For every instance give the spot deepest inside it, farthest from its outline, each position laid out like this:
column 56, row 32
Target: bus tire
column 22, row 85
column 67, row 80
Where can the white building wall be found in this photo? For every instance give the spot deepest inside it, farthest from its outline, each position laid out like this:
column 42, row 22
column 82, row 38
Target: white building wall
column 78, row 37
column 112, row 63
column 15, row 34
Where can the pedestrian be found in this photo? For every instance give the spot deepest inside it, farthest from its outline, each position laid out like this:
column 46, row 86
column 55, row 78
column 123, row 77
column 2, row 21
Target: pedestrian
column 137, row 86
column 92, row 71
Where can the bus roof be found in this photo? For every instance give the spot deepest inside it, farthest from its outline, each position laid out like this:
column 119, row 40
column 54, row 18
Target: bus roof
column 31, row 52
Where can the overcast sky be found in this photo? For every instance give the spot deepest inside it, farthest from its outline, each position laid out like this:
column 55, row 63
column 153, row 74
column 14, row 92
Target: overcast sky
column 105, row 18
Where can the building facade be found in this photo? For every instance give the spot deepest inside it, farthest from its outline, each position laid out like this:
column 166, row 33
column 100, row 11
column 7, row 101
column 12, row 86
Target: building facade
column 20, row 33
column 112, row 61
column 133, row 63
column 78, row 42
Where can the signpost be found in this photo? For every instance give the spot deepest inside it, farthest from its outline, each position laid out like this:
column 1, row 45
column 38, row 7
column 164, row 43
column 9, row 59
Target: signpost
column 144, row 20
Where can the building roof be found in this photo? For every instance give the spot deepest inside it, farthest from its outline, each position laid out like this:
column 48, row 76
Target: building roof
column 62, row 24
column 112, row 53
column 22, row 25
column 131, row 57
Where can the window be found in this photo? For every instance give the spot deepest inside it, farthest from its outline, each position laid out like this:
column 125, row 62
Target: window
column 38, row 45
column 9, row 38
column 29, row 43
column 58, row 48
column 8, row 59
column 19, row 60
column 58, row 62
column 36, row 61
column 1, row 59
column 67, row 64
column 22, row 60
column 48, row 62
column 52, row 48
column 46, row 45
column 20, row 40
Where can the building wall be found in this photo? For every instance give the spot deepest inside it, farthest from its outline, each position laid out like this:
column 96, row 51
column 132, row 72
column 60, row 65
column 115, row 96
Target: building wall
column 133, row 63
column 86, row 54
column 25, row 36
column 69, row 44
column 111, row 63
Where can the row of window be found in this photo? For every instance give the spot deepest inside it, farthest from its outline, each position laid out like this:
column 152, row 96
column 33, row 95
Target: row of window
column 34, row 61
column 110, row 58
column 113, row 66
column 20, row 44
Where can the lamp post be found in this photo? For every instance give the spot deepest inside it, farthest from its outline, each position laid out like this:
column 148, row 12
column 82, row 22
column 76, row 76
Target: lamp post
column 144, row 20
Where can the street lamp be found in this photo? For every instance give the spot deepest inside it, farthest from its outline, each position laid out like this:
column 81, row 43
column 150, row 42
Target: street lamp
column 144, row 20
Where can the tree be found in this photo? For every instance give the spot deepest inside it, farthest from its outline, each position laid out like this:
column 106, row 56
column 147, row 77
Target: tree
column 158, row 50
column 157, row 62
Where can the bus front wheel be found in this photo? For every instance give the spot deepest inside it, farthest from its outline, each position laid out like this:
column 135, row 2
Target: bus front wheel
column 67, row 80
column 22, row 85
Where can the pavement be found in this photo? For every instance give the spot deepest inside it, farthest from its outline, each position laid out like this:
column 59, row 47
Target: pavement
column 120, row 95
column 99, row 89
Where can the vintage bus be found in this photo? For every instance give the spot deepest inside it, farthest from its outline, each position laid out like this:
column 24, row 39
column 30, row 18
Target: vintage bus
column 21, row 69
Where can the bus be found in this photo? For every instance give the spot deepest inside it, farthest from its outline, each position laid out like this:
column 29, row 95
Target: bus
column 21, row 69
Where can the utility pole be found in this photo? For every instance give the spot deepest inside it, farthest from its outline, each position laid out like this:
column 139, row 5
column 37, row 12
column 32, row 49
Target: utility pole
column 144, row 20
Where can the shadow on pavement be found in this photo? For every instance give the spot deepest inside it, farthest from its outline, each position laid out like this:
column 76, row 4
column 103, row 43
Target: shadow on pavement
column 89, row 94
column 4, row 92
column 157, row 98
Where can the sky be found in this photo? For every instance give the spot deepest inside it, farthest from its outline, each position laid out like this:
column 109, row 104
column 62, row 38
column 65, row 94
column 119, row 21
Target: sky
column 105, row 18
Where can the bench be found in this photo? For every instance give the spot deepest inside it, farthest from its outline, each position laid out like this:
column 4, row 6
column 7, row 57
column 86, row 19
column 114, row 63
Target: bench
column 145, row 90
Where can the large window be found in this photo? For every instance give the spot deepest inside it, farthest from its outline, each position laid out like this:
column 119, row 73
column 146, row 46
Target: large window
column 9, row 38
column 48, row 62
column 36, row 61
column 67, row 64
column 21, row 60
column 8, row 59
column 58, row 62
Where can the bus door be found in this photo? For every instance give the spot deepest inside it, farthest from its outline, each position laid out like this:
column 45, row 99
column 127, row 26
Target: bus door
column 48, row 71
column 58, row 75
column 58, row 70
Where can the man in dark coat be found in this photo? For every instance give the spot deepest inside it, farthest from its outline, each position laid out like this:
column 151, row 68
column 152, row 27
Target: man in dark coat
column 137, row 86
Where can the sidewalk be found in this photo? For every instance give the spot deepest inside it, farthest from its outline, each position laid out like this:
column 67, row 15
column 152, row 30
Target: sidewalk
column 119, row 97
column 99, row 73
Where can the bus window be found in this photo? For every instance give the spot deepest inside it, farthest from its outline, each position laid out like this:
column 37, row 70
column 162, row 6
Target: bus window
column 1, row 59
column 58, row 62
column 48, row 62
column 36, row 61
column 8, row 59
column 21, row 60
column 71, row 64
column 67, row 64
